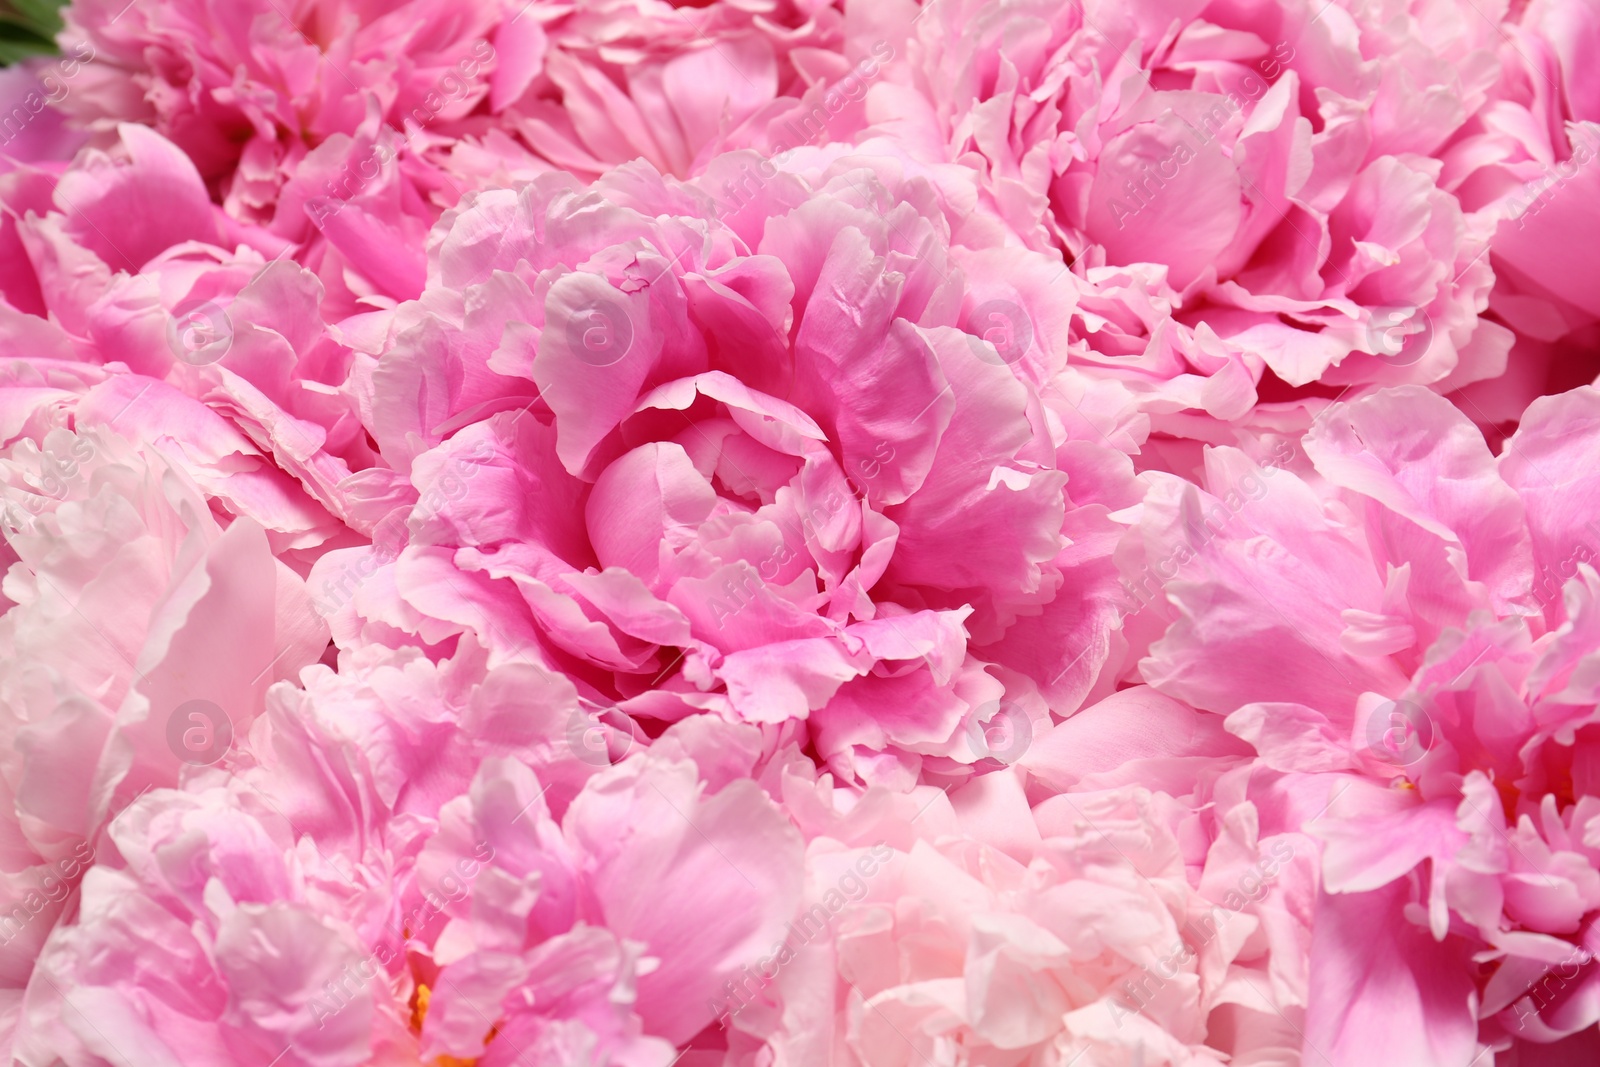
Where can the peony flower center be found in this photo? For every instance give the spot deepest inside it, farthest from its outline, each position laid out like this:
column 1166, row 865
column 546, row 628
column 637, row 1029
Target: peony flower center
column 419, row 1014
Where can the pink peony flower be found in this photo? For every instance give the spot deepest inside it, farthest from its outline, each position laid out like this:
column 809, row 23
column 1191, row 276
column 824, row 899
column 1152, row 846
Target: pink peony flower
column 759, row 533
column 595, row 84
column 1530, row 162
column 344, row 130
column 31, row 129
column 480, row 925
column 249, row 92
column 100, row 281
column 1442, row 686
column 139, row 637
column 735, row 513
column 1245, row 192
column 1106, row 924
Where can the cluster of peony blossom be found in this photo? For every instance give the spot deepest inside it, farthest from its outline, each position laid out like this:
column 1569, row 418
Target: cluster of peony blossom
column 795, row 533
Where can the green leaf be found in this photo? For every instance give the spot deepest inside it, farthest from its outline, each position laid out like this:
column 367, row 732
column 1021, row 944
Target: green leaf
column 18, row 43
column 41, row 16
column 28, row 28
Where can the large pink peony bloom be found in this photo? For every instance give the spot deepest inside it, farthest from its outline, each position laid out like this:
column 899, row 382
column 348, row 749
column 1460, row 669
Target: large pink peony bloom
column 249, row 91
column 1442, row 697
column 1021, row 924
column 746, row 464
column 760, row 533
column 31, row 129
column 1251, row 192
column 598, row 83
column 345, row 129
column 123, row 262
column 1530, row 160
column 407, row 864
column 139, row 636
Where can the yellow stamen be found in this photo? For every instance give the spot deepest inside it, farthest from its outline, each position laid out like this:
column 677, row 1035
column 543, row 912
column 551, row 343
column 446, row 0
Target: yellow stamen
column 419, row 1015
